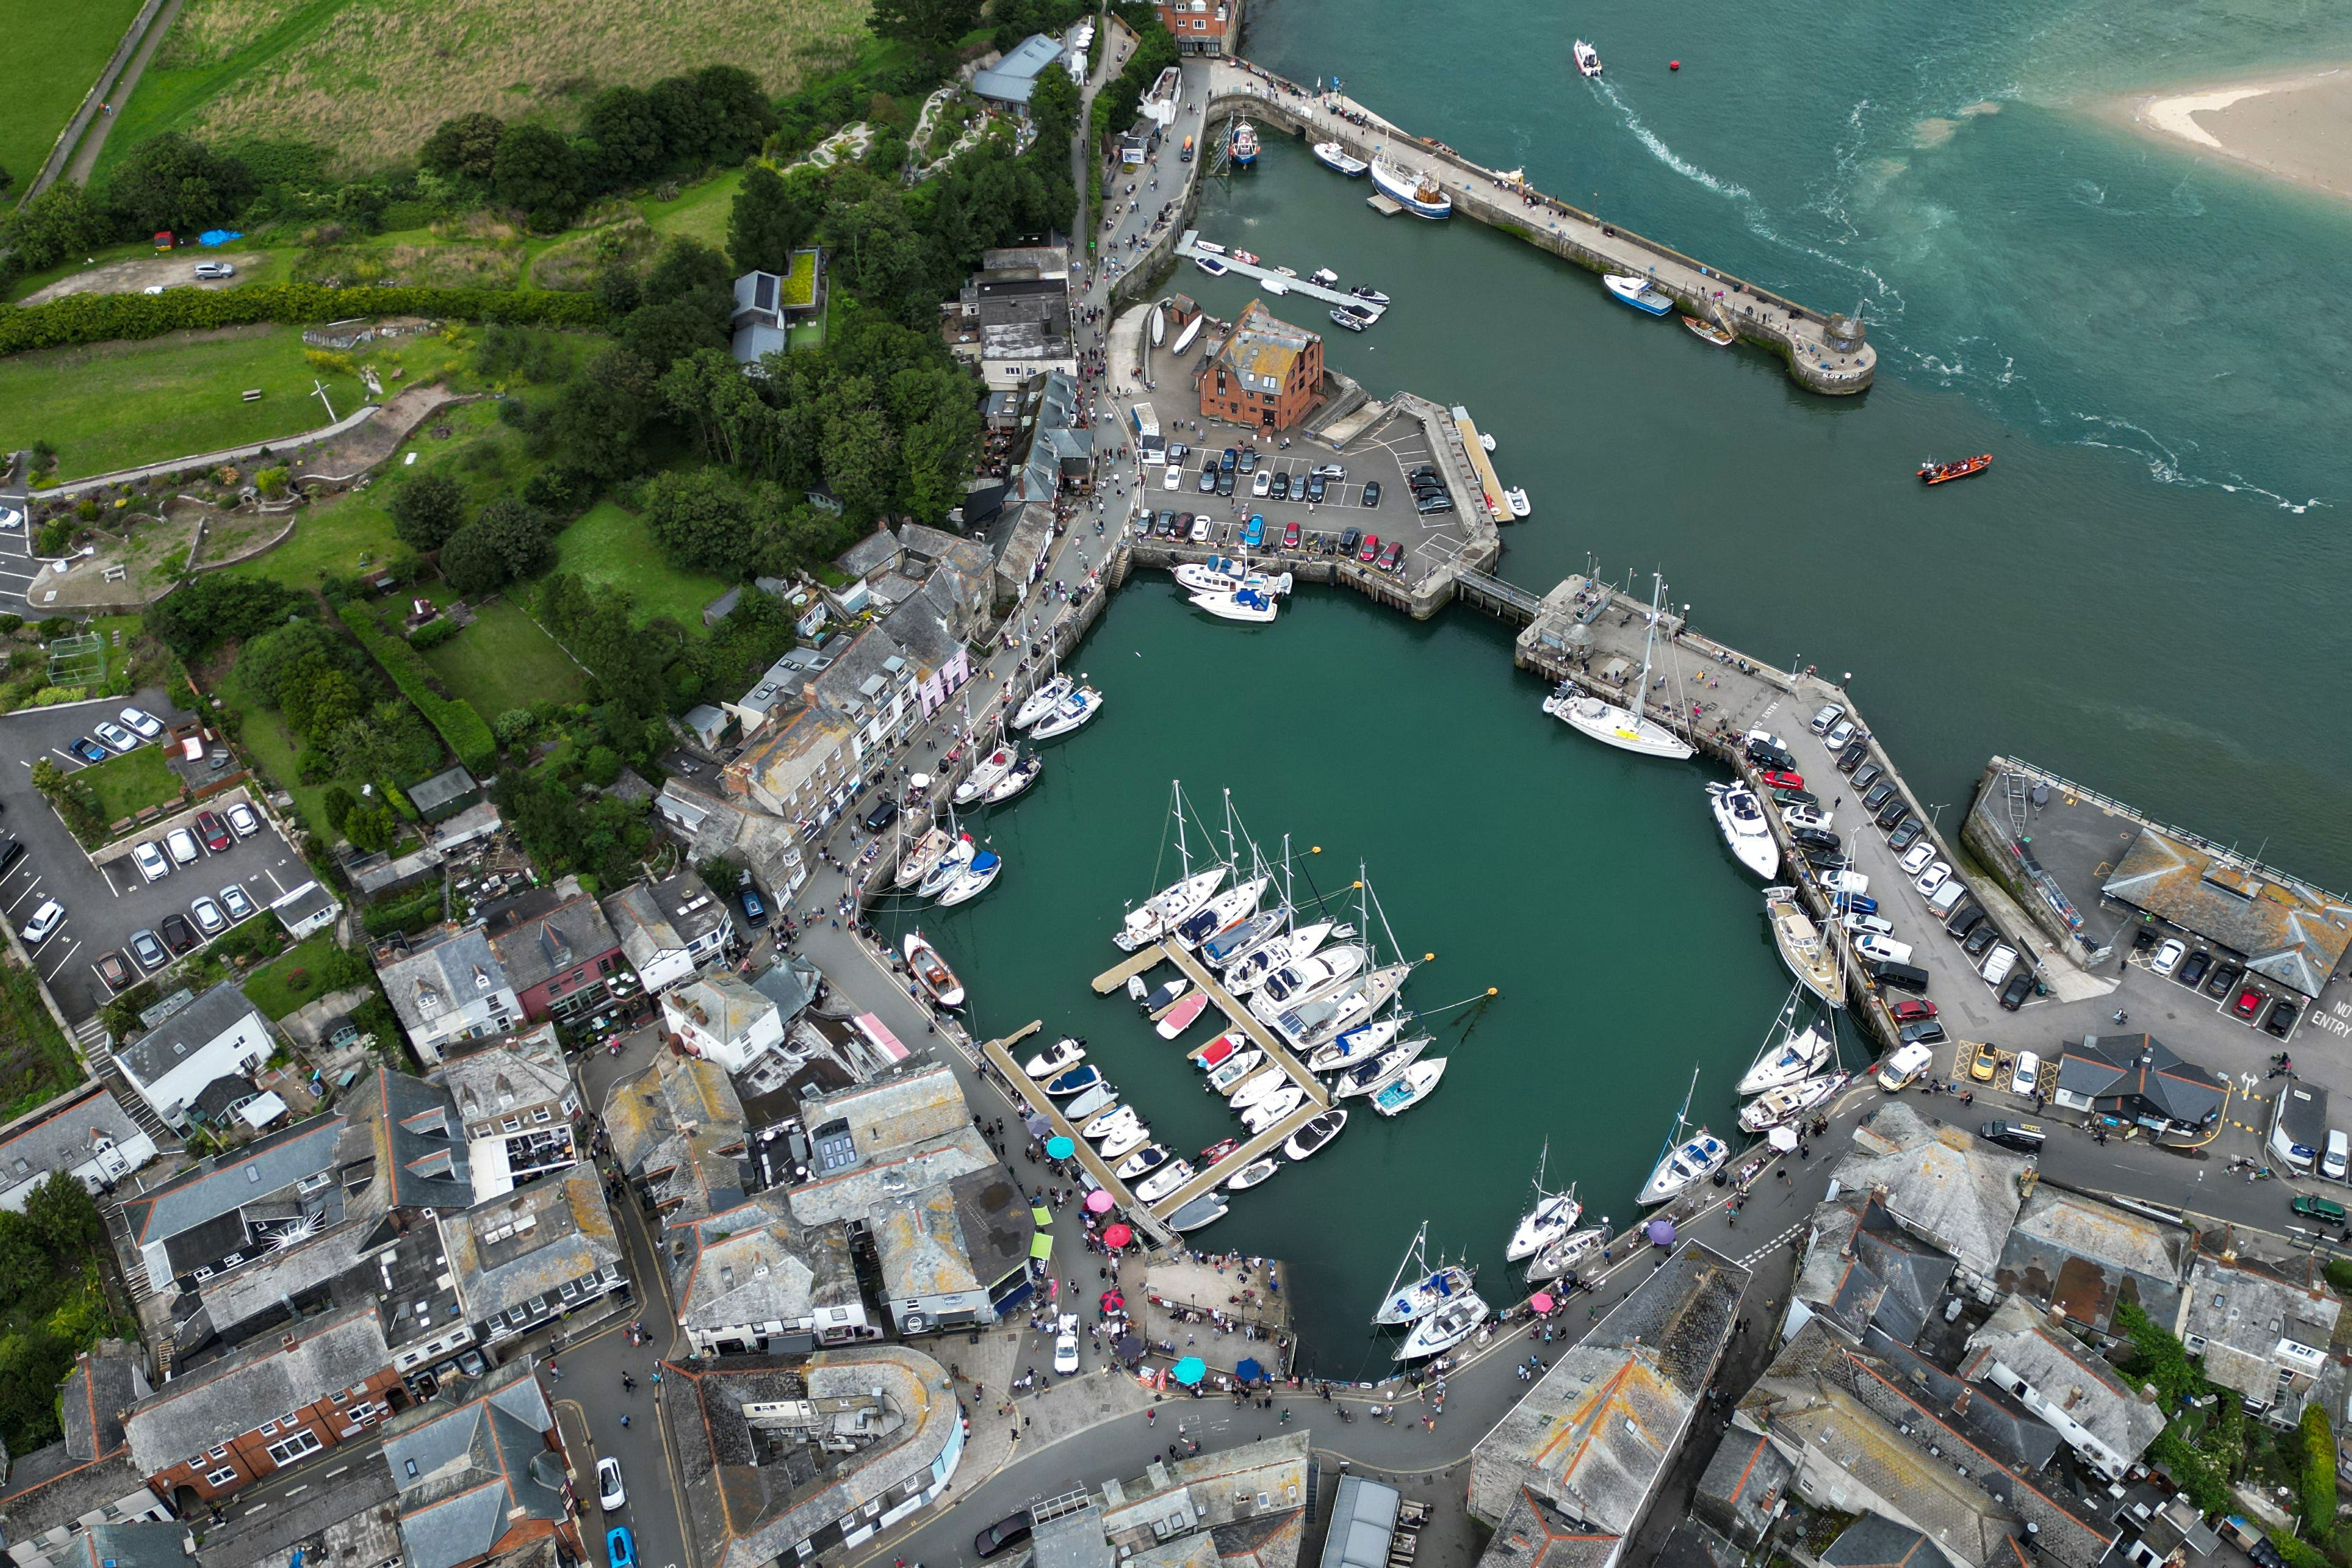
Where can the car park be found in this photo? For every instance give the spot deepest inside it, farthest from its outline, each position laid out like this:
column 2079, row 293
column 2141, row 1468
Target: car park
column 116, row 970
column 2025, row 1073
column 1930, row 1033
column 46, row 919
column 1887, row 950
column 2281, row 1022
column 609, row 1493
column 183, row 846
column 87, row 750
column 2194, row 970
column 1931, row 880
column 1982, row 937
column 208, row 917
column 148, row 948
column 1263, row 484
column 2168, row 958
column 116, row 736
column 2019, row 986
column 1371, row 496
column 239, row 906
column 1003, row 1536
column 2026, row 1137
column 1828, row 716
column 1868, row 925
column 150, row 861
column 1907, row 833
column 212, row 831
column 620, row 1549
column 179, row 935
column 244, row 819
column 1911, row 1010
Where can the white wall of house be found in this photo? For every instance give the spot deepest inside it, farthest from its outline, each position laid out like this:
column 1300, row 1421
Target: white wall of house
column 240, row 1049
column 733, row 1053
column 109, row 1162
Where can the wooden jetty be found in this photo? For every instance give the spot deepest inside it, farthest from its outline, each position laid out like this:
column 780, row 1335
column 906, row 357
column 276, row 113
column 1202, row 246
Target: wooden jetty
column 999, row 1054
column 1111, row 979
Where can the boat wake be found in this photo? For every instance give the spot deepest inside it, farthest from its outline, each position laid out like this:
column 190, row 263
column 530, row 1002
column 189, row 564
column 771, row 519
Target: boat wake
column 2117, row 435
column 1731, row 189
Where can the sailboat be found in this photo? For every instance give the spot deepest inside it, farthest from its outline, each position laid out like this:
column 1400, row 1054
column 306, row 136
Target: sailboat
column 1020, row 776
column 1429, row 1290
column 947, row 867
column 931, row 972
column 1409, row 1088
column 1371, row 1076
column 1553, row 1216
column 934, row 843
column 985, row 773
column 1444, row 1329
column 1626, row 728
column 1250, row 971
column 974, row 881
column 1803, row 949
column 1741, row 821
column 1238, row 941
column 1072, row 712
column 1685, row 1162
column 1789, row 1053
column 1042, row 702
column 1230, row 908
column 1779, row 1107
column 1566, row 1253
column 1355, row 1046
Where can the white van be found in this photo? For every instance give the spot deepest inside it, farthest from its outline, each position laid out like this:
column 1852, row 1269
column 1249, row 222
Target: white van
column 2025, row 1073
column 1905, row 1068
column 1998, row 963
column 2338, row 1158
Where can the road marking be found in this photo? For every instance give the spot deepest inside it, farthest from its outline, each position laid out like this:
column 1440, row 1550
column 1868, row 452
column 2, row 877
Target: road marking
column 30, row 888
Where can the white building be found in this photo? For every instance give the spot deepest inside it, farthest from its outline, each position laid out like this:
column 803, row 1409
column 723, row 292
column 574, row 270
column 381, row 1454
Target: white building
column 670, row 929
column 447, row 985
column 722, row 1019
column 88, row 1134
column 219, row 1035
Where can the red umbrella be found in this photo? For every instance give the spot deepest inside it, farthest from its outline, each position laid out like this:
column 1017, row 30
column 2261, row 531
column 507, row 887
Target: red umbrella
column 1117, row 1236
column 1541, row 1301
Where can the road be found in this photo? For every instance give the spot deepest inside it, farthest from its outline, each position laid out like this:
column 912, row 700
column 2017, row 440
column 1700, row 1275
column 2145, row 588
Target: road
column 17, row 568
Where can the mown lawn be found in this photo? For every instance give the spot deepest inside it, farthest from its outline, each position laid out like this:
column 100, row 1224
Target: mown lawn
column 611, row 545
column 701, row 211
column 132, row 783
column 273, row 988
column 504, row 660
column 57, row 52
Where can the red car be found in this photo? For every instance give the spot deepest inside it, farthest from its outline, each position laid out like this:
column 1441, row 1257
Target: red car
column 212, row 831
column 2250, row 1002
column 1371, row 547
column 1784, row 781
column 1912, row 1012
column 1394, row 557
column 1290, row 536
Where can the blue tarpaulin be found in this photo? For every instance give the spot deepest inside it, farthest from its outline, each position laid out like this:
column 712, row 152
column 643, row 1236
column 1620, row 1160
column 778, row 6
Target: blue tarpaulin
column 217, row 237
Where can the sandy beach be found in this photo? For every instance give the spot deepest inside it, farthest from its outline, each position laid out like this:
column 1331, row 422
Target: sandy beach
column 2295, row 126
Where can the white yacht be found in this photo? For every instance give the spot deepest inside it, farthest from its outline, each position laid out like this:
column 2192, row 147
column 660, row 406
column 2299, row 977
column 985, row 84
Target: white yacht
column 1249, row 972
column 1074, row 711
column 1230, row 908
column 1789, row 1102
column 1251, row 605
column 1692, row 1155
column 1811, row 957
column 1331, row 155
column 1741, row 820
column 1308, row 979
column 1624, row 727
column 1789, row 1053
column 1588, row 59
column 1160, row 913
column 985, row 774
column 1553, row 1216
column 1042, row 702
column 1444, row 1329
column 1566, row 1253
column 1429, row 1290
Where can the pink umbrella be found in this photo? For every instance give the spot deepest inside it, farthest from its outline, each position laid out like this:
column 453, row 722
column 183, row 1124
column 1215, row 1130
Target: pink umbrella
column 1098, row 1201
column 1540, row 1300
column 1117, row 1236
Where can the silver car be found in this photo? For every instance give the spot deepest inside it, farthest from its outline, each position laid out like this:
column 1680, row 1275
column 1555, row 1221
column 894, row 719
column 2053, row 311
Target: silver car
column 233, row 900
column 141, row 722
column 116, row 736
column 208, row 916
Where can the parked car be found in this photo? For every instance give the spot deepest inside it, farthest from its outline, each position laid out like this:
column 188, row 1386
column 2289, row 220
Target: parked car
column 2225, row 974
column 2281, row 1021
column 1815, row 838
column 1173, row 477
column 1887, row 950
column 885, row 813
column 208, row 916
column 1795, row 797
column 1850, row 759
column 1964, row 920
column 2019, row 986
column 1979, row 939
column 1349, row 539
column 179, row 935
column 1433, row 506
column 1914, row 859
column 1779, row 778
column 2194, row 970
column 233, row 900
column 87, row 750
column 1282, row 486
column 116, row 970
column 244, row 819
column 1868, row 925
column 1371, row 496
column 1249, row 460
column 1003, row 1536
column 620, row 1549
column 1877, row 796
column 1371, row 548
column 1798, row 816
column 1983, row 1062
column 1229, row 459
column 212, row 831
column 141, row 722
column 2026, row 1137
column 1854, row 903
column 150, row 861
column 1065, row 1355
column 209, row 270
column 1930, row 1033
column 1254, row 533
column 2249, row 1005
column 1290, row 536
column 1892, row 813
column 11, row 851
column 1208, row 483
column 1911, row 1010
column 47, row 917
column 2326, row 1210
column 1225, row 481
column 2167, row 957
column 1846, row 882
column 1826, row 718
column 1392, row 559
column 2025, row 1073
column 1998, row 963
column 1906, row 833
column 1263, row 484
column 1931, row 880
column 148, row 948
column 755, row 909
column 1201, row 528
column 1866, row 776
column 183, row 846
column 1840, row 735
column 611, row 1494
column 116, row 736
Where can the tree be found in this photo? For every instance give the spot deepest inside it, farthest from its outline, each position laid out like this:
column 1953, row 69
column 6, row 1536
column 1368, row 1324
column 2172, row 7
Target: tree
column 520, row 534
column 64, row 1218
column 772, row 217
column 175, row 181
column 740, row 114
column 538, row 171
column 602, row 766
column 689, row 125
column 60, row 222
column 627, row 134
column 930, row 23
column 599, row 416
column 426, row 510
column 702, row 517
column 320, row 705
column 297, row 652
column 196, row 616
column 373, row 829
column 337, row 802
column 472, row 563
column 465, row 148
column 665, row 333
column 2318, row 1472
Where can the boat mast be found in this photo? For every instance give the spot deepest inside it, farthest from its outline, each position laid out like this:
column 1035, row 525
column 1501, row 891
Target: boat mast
column 1681, row 1118
column 1413, row 1255
column 1541, row 1160
column 1176, row 799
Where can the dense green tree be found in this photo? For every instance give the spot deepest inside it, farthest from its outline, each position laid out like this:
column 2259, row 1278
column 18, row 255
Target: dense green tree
column 521, row 535
column 705, row 518
column 201, row 613
column 320, row 705
column 465, row 147
column 426, row 509
column 23, row 1263
column 665, row 333
column 772, row 217
column 473, row 564
column 930, row 23
column 599, row 417
column 538, row 171
column 59, row 224
column 296, row 653
column 337, row 803
column 740, row 114
column 372, row 828
column 627, row 134
column 64, row 1218
column 177, row 182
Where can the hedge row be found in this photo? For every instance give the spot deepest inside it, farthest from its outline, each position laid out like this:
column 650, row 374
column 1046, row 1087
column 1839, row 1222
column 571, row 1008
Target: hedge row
column 460, row 723
column 100, row 317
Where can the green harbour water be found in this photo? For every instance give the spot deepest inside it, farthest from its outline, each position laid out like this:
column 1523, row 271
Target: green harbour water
column 2145, row 593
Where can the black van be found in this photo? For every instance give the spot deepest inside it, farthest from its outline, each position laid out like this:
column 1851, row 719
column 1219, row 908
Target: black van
column 2026, row 1137
column 11, row 852
column 1898, row 976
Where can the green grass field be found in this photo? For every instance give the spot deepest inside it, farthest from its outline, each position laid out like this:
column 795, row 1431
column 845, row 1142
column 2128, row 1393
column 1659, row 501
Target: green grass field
column 266, row 736
column 59, row 51
column 273, row 988
column 132, row 783
column 701, row 211
column 504, row 660
column 612, row 546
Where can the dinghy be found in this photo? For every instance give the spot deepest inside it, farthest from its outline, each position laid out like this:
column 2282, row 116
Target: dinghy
column 1250, row 1174
column 1269, row 1112
column 1066, row 1053
column 985, row 773
column 1315, row 1134
column 1143, row 1162
column 931, row 972
column 1205, row 1210
column 1217, row 1150
column 1042, row 702
column 1181, row 1017
column 1164, row 1181
column 1409, row 1088
column 975, row 881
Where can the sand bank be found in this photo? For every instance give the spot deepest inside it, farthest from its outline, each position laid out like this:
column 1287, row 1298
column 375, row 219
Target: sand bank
column 2296, row 127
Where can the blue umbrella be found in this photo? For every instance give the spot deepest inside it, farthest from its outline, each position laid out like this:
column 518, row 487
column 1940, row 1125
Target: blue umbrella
column 1188, row 1371
column 1249, row 1371
column 1662, row 1232
column 1060, row 1148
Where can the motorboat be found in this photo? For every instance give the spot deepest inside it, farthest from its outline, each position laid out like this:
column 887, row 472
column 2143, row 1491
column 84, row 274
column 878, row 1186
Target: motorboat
column 1714, row 332
column 1205, row 1210
column 1311, row 1024
column 1085, row 1076
column 1444, row 1329
column 1409, row 1088
column 1412, row 189
column 1100, row 1097
column 1249, row 972
column 1354, row 1045
column 934, row 843
column 1136, row 989
column 1288, row 271
column 1209, row 246
column 1274, row 283
column 1181, row 1016
column 1270, row 1111
column 1252, row 605
column 1211, row 266
column 1131, row 1136
column 947, row 867
column 1691, row 1155
column 1219, row 1052
column 1487, row 439
column 1372, row 1076
column 1258, row 1088
column 1243, row 144
column 1515, row 498
column 1217, row 574
column 1789, row 1053
column 1618, row 726
column 1234, row 1070
column 1779, row 1107
column 1942, row 473
column 985, row 773
column 1430, row 1290
column 1042, row 702
column 1348, row 320
column 1167, row 1179
column 976, row 880
column 1238, row 941
column 1588, row 59
column 1074, row 712
column 1324, row 277
column 1331, row 155
column 1159, row 323
column 1066, row 1053
column 1566, row 1253
column 1247, row 257
column 932, row 973
column 1315, row 1134
column 1553, row 1216
column 1101, row 1123
column 1745, row 832
column 1366, row 292
column 1159, row 996
column 1309, row 979
column 1023, row 774
column 1230, row 908
column 1640, row 292
column 1143, row 1162
column 1149, row 922
column 1250, row 1174
column 1802, row 948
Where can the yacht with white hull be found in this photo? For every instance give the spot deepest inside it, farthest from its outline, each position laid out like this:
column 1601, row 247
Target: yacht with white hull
column 1042, row 702
column 1249, row 971
column 1308, row 979
column 1164, row 908
column 1072, row 712
column 1623, row 726
column 1692, row 1155
column 1740, row 818
column 1789, row 1053
column 1429, row 1290
column 1553, row 1216
column 1444, row 1329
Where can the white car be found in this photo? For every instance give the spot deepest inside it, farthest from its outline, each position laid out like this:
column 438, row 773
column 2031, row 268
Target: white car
column 2168, row 958
column 1869, row 925
column 1806, row 817
column 610, row 1494
column 1201, row 528
column 1933, row 878
column 1914, row 859
column 183, row 846
column 150, row 861
column 1173, row 479
column 233, row 900
column 141, row 722
column 2025, row 1073
column 1845, row 882
column 208, row 917
column 116, row 736
column 1262, row 486
column 1065, row 1355
column 11, row 519
column 1840, row 735
column 44, row 923
column 242, row 819
column 1885, row 950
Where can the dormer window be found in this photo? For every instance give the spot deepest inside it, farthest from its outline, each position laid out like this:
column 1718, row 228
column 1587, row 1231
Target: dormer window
column 481, row 978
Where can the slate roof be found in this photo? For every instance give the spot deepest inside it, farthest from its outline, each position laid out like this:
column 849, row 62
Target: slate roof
column 489, row 1078
column 1863, row 1268
column 678, row 1125
column 2059, row 1367
column 106, row 1380
column 903, row 1171
column 419, row 1138
column 238, row 1393
column 224, row 1184
column 870, row 554
column 2242, row 1314
column 920, row 1246
column 128, row 1543
column 1874, row 1540
column 64, row 1136
column 1262, row 349
column 46, row 1490
column 1012, row 79
column 2132, row 1075
column 192, row 1029
column 2073, row 1252
column 713, row 828
column 432, row 981
column 791, row 984
column 483, row 1479
column 1943, row 1184
column 755, row 1264
column 1742, row 1484
column 895, row 1112
column 1535, row 1534
column 721, row 1001
column 558, row 1231
column 446, row 788
column 537, row 944
column 2289, row 933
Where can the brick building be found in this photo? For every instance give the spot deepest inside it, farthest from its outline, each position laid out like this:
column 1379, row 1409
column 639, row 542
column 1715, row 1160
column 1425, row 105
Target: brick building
column 1201, row 26
column 1268, row 373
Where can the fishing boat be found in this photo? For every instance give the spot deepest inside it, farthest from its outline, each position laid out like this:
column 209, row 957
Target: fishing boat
column 1444, row 1329
column 1257, row 1088
column 1217, row 1052
column 1216, row 1152
column 1410, row 189
column 1720, row 336
column 1040, row 703
column 1409, row 1088
column 947, row 867
column 976, row 880
column 1372, row 1076
column 1308, row 979
column 1741, row 819
column 1614, row 724
column 1101, row 1097
column 1143, row 1162
column 1315, row 1134
column 1023, row 774
column 1249, row 972
column 1243, row 938
column 1779, row 1107
column 1325, row 277
column 1133, row 1135
column 1515, row 498
column 1181, row 1016
column 1355, row 1045
column 1243, row 144
column 1348, row 320
column 1167, row 1179
column 925, row 855
column 1066, row 1053
column 1211, row 266
column 1234, row 1070
column 1938, row 473
column 1588, row 59
column 1077, row 1077
column 1270, row 1111
column 1205, row 1210
column 1075, row 710
column 1429, row 1290
column 1159, row 324
column 1566, row 1253
column 1802, row 948
column 1553, row 1216
column 1149, row 922
column 985, row 773
column 931, row 972
column 1333, row 156
column 1789, row 1053
column 1250, row 604
column 1228, row 909
column 1369, row 294
column 1159, row 996
column 1250, row 1174
column 1691, row 1155
column 1639, row 292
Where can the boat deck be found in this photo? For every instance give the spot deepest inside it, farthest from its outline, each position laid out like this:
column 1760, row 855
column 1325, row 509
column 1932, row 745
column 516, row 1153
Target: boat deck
column 1481, row 465
column 1184, row 248
column 1111, row 980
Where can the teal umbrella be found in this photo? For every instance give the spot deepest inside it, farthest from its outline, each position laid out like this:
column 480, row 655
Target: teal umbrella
column 1188, row 1371
column 1060, row 1148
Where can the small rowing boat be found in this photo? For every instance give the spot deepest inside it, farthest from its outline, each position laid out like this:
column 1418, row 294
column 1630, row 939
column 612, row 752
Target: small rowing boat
column 932, row 973
column 1720, row 337
column 1938, row 473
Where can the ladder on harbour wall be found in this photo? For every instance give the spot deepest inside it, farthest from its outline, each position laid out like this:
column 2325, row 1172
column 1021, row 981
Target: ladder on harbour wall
column 2012, row 789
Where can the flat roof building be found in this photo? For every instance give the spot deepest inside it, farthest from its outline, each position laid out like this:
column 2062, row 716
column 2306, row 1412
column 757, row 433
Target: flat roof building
column 2285, row 931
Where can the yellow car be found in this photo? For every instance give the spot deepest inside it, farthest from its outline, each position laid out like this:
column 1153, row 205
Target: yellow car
column 1981, row 1068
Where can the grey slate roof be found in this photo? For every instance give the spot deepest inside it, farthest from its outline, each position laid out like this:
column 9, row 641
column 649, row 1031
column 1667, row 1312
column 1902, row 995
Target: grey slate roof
column 1874, row 1540
column 419, row 1138
column 442, row 789
column 224, row 1184
column 472, row 1476
column 2132, row 1075
column 2289, row 932
column 107, row 1380
column 869, row 554
column 192, row 1029
column 1742, row 1486
column 452, row 969
column 130, row 1543
column 542, row 939
column 2070, row 1251
column 66, row 1136
column 570, row 1236
column 1943, row 1184
column 789, row 983
column 1863, row 1268
column 755, row 1264
column 238, row 1393
column 517, row 1071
